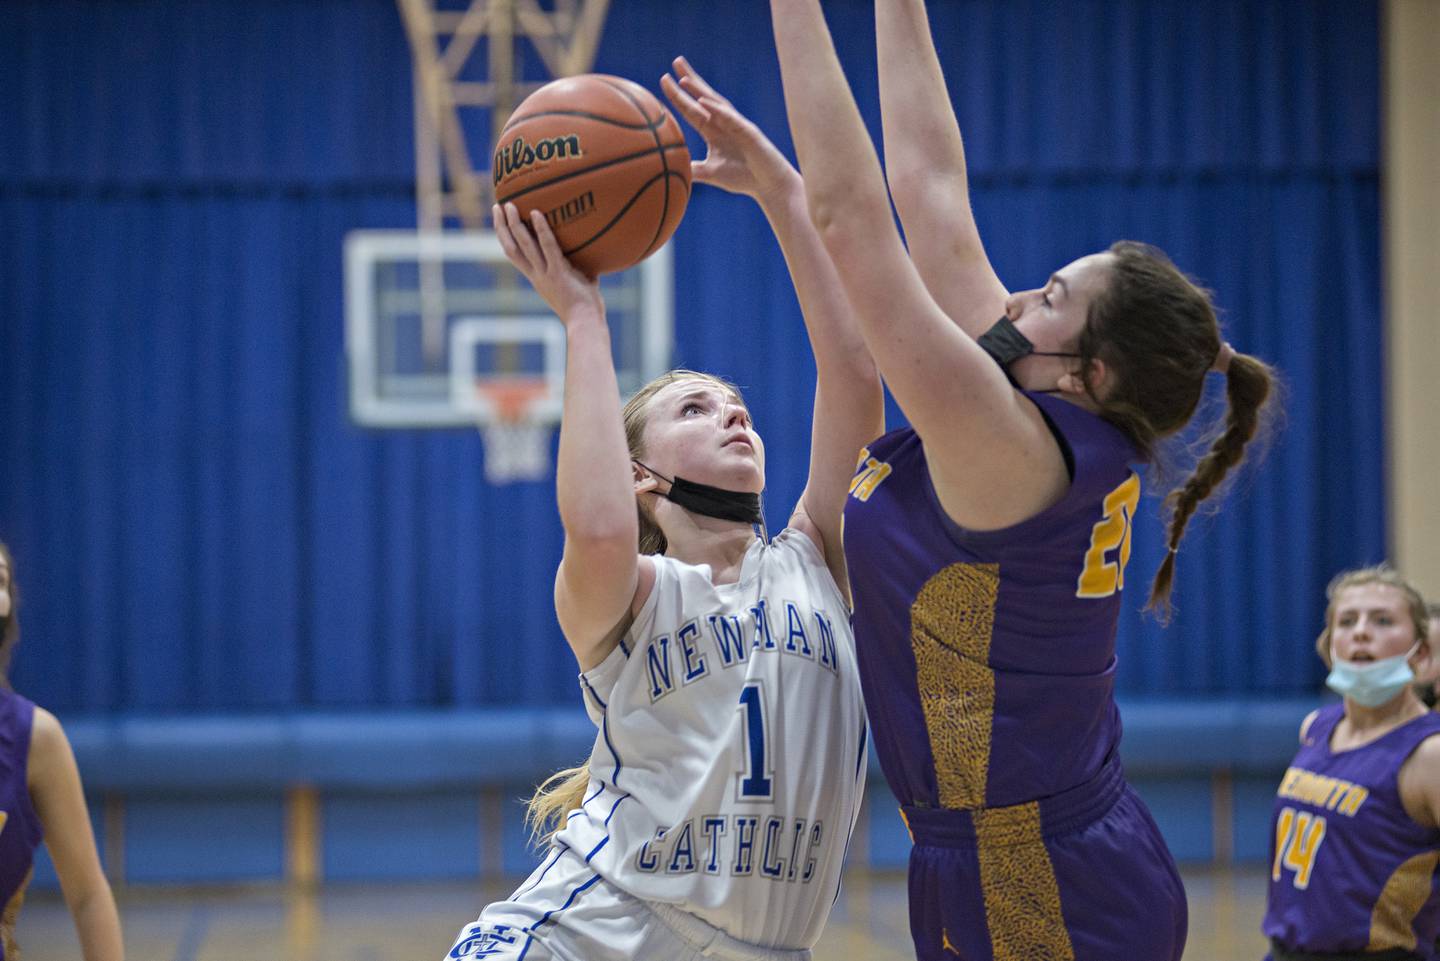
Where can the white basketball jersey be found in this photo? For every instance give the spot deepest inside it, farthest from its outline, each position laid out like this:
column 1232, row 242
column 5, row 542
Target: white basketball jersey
column 727, row 773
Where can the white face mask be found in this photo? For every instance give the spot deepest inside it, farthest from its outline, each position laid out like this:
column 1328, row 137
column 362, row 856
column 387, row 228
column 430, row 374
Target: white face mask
column 1375, row 683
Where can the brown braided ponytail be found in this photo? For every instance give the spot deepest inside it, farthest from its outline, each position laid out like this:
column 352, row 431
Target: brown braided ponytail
column 1247, row 387
column 1155, row 330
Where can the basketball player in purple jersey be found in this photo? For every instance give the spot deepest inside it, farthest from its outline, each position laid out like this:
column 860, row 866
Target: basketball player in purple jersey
column 1355, row 838
column 987, row 543
column 41, row 798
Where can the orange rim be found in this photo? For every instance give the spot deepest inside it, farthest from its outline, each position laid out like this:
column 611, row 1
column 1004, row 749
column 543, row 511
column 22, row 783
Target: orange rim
column 511, row 397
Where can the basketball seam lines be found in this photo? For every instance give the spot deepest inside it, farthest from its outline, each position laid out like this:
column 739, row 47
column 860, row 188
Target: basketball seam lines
column 666, row 175
column 666, row 172
column 649, row 125
column 664, row 167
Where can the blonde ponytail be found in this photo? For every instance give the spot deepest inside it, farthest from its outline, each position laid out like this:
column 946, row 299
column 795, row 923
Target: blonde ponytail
column 558, row 795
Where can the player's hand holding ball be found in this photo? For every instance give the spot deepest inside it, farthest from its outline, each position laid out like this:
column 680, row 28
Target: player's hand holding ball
column 536, row 253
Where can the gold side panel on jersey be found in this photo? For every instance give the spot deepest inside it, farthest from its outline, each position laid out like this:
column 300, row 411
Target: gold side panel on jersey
column 10, row 913
column 1392, row 923
column 950, row 626
column 1022, row 897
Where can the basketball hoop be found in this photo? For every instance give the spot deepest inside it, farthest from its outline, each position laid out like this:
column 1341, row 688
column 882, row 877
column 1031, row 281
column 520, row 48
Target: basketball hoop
column 516, row 448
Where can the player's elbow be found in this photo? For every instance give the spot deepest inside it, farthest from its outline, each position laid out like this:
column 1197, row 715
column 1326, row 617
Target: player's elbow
column 844, row 221
column 591, row 517
column 926, row 178
column 602, row 538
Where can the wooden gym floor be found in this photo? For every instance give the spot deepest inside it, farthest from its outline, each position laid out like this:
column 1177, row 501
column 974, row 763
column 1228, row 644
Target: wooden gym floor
column 416, row 922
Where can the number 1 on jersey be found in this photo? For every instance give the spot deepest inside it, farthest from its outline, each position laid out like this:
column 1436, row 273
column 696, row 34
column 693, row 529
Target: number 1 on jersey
column 756, row 783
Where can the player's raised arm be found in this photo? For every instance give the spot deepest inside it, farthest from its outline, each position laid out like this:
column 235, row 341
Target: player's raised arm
column 599, row 571
column 849, row 401
column 955, row 396
column 926, row 172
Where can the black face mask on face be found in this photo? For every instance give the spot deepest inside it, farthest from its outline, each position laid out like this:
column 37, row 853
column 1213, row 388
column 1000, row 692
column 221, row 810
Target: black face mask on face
column 1005, row 345
column 711, row 501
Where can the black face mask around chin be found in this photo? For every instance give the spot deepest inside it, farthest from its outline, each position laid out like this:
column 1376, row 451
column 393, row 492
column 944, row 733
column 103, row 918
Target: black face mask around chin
column 1005, row 345
column 711, row 501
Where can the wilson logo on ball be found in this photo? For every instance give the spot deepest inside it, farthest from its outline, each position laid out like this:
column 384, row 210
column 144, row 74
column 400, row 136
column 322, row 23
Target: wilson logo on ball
column 519, row 154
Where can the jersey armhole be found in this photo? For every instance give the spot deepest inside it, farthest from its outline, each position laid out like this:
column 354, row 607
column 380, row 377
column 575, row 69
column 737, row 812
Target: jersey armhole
column 814, row 557
column 1400, row 770
column 1066, row 451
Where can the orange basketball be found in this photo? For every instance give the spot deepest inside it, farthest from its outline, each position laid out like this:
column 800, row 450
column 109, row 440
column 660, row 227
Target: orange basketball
column 605, row 162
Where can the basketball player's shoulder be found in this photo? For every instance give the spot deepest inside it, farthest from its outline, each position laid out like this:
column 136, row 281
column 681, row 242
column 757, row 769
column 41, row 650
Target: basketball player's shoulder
column 799, row 549
column 49, row 747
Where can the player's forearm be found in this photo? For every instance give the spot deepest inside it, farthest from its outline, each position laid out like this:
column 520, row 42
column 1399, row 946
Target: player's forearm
column 834, row 331
column 844, row 186
column 592, row 472
column 97, row 924
column 922, row 136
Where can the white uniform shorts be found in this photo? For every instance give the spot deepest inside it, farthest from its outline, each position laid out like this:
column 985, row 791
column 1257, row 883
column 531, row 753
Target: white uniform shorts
column 566, row 912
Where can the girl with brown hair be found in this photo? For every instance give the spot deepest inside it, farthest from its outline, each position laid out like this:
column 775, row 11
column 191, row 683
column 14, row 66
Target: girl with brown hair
column 988, row 541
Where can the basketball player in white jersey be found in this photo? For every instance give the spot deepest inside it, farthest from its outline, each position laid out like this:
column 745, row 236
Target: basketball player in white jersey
column 713, row 815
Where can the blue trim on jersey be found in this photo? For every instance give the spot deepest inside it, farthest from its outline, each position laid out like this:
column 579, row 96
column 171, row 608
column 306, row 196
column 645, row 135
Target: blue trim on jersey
column 568, row 901
column 593, row 693
column 560, row 848
column 613, row 807
column 859, row 796
column 605, row 731
column 860, row 755
column 606, row 839
column 599, row 787
column 529, row 940
column 840, row 878
column 623, row 649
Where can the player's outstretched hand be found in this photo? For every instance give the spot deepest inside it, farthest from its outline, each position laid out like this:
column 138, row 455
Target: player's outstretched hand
column 739, row 158
column 535, row 252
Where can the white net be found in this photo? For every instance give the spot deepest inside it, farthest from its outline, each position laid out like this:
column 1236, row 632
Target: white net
column 516, row 451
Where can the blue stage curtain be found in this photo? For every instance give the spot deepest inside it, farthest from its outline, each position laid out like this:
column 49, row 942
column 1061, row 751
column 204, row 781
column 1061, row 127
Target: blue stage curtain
column 200, row 527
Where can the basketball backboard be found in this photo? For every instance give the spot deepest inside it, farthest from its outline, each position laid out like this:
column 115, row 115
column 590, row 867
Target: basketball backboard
column 432, row 318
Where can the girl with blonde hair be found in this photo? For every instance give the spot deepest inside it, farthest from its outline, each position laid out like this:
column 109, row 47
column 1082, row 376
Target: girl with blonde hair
column 713, row 814
column 1355, row 835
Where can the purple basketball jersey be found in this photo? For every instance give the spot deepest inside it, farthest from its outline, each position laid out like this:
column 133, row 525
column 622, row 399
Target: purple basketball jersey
column 1350, row 870
column 20, row 830
column 988, row 657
